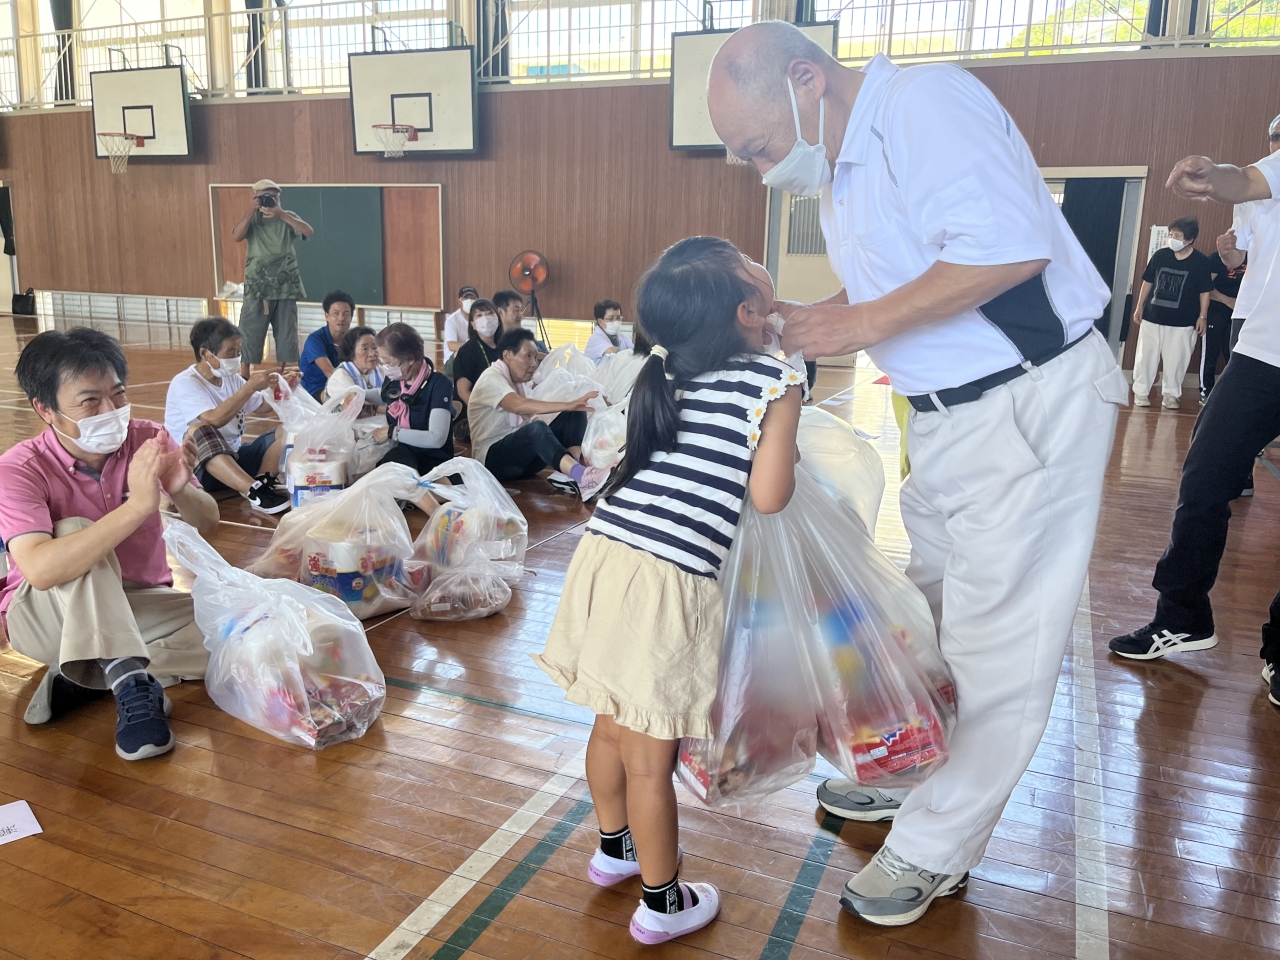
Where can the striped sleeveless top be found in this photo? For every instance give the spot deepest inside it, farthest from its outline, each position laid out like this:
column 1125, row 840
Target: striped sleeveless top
column 683, row 507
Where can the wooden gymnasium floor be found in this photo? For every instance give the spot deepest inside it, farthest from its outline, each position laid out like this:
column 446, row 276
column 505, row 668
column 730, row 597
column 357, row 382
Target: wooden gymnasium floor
column 1148, row 825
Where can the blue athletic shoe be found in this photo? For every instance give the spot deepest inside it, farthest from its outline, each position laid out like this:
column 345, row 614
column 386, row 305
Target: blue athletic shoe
column 142, row 729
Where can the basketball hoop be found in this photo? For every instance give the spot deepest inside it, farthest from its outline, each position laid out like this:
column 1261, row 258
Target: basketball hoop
column 394, row 136
column 118, row 147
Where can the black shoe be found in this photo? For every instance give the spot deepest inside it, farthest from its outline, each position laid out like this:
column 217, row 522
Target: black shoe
column 1153, row 642
column 1248, row 487
column 268, row 480
column 1271, row 677
column 267, row 499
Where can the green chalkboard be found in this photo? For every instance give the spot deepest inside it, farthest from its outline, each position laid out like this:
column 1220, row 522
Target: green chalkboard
column 346, row 251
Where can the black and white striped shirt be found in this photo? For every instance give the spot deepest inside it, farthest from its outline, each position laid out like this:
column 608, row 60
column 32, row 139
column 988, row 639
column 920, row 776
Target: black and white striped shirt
column 684, row 506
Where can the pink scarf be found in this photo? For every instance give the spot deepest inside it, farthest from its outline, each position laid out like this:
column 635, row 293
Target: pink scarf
column 398, row 408
column 513, row 418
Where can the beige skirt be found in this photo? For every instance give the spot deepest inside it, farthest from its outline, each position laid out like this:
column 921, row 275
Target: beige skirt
column 638, row 639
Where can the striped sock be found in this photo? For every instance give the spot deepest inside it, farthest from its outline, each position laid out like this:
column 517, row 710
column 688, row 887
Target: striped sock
column 618, row 845
column 118, row 670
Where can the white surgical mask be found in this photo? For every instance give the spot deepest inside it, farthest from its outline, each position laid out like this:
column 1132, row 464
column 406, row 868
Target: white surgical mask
column 612, row 327
column 805, row 170
column 1175, row 244
column 229, row 364
column 487, row 325
column 391, row 372
column 103, row 433
column 466, row 306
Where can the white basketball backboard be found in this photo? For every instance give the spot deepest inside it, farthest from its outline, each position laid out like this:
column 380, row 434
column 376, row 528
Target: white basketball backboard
column 434, row 91
column 148, row 102
column 691, row 56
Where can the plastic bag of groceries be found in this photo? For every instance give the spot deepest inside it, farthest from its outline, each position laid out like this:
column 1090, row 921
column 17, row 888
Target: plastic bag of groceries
column 829, row 648
column 561, row 385
column 605, row 437
column 367, row 451
column 354, row 545
column 847, row 466
column 283, row 657
column 565, row 357
column 296, row 408
column 317, row 464
column 473, row 546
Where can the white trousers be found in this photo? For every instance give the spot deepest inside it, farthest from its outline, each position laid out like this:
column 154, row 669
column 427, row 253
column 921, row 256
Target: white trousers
column 1156, row 342
column 1001, row 506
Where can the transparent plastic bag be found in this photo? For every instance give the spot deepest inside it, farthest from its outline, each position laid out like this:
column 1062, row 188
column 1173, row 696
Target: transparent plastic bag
column 847, row 466
column 284, row 658
column 317, row 464
column 605, row 437
column 561, row 386
column 296, row 408
column 829, row 649
column 354, row 545
column 367, row 451
column 473, row 546
column 565, row 357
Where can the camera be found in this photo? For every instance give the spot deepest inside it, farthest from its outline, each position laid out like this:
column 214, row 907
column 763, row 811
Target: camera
column 267, row 200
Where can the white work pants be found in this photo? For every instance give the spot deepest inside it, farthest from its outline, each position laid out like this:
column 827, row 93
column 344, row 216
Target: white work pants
column 1001, row 506
column 1156, row 342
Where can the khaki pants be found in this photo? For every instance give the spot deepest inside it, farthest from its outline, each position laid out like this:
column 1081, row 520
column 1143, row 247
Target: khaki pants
column 102, row 617
column 282, row 317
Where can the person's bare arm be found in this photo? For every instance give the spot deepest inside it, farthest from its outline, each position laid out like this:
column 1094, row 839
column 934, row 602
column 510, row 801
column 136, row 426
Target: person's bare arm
column 241, row 230
column 324, row 364
column 945, row 289
column 295, row 221
column 47, row 561
column 229, row 408
column 773, row 471
column 785, row 308
column 1202, row 322
column 1143, row 292
column 1199, row 178
column 1232, row 256
column 454, row 345
column 528, row 407
column 463, row 389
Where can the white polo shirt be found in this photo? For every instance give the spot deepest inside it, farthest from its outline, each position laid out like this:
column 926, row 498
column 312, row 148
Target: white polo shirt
column 1257, row 227
column 455, row 328
column 933, row 168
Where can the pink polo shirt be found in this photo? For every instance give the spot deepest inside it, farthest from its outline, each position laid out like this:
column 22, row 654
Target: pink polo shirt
column 41, row 484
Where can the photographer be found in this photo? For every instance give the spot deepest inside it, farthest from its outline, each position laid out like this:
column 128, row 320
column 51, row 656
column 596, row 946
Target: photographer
column 272, row 285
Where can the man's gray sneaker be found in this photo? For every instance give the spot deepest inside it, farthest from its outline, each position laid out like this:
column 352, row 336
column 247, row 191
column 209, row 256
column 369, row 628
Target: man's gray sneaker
column 890, row 892
column 852, row 801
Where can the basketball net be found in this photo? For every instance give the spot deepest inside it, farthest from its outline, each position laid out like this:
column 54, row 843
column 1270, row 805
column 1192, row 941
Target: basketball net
column 118, row 147
column 394, row 137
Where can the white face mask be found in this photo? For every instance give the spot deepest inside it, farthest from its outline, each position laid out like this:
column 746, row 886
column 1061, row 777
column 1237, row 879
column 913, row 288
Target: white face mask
column 103, row 433
column 612, row 327
column 1175, row 244
column 805, row 170
column 229, row 364
column 466, row 306
column 391, row 372
column 486, row 326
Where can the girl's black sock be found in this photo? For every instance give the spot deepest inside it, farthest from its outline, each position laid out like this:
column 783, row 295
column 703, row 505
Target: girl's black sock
column 618, row 845
column 669, row 898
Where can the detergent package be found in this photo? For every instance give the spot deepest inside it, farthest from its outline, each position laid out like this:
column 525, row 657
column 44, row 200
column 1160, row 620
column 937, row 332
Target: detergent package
column 355, row 545
column 317, row 463
column 606, row 437
column 284, row 658
column 829, row 649
column 473, row 545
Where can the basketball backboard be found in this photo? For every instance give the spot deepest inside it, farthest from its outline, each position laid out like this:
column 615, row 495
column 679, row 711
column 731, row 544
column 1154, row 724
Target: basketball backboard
column 691, row 56
column 434, row 91
column 147, row 102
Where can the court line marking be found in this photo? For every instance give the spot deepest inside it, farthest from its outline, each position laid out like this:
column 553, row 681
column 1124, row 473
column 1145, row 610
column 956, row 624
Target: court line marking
column 1275, row 471
column 419, row 924
column 782, row 938
column 1092, row 926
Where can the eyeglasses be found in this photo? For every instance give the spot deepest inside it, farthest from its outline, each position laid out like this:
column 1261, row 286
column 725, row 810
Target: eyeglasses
column 1274, row 137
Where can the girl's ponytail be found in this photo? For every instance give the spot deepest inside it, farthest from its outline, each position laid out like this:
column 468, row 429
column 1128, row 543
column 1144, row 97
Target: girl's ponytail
column 653, row 420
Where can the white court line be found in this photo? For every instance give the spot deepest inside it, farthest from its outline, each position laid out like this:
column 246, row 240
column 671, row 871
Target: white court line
column 445, row 897
column 1091, row 847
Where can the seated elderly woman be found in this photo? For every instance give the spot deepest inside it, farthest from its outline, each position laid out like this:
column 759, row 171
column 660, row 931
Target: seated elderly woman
column 358, row 367
column 507, row 439
column 419, row 401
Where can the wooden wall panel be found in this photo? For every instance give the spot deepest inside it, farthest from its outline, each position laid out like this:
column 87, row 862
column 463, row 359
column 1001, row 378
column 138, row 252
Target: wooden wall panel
column 229, row 205
column 411, row 246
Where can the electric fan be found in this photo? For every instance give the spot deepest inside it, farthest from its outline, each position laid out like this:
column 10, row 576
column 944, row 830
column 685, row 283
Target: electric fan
column 528, row 275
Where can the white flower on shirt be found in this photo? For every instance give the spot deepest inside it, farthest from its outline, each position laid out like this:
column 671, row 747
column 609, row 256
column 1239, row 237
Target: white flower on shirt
column 773, row 391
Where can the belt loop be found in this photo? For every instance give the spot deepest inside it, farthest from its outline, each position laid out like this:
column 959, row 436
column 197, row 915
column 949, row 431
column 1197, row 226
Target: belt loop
column 939, row 405
column 1032, row 369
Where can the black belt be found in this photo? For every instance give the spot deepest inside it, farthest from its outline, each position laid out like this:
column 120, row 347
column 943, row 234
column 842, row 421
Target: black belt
column 974, row 389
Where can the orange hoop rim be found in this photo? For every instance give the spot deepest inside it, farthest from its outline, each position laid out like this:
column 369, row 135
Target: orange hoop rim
column 109, row 135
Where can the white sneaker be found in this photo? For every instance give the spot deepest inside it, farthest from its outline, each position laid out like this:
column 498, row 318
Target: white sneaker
column 592, row 482
column 1141, row 401
column 605, row 871
column 650, row 927
column 1171, row 402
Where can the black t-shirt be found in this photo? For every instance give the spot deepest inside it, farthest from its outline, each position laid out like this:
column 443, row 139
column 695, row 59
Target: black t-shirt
column 474, row 358
column 1176, row 286
column 1225, row 280
column 435, row 394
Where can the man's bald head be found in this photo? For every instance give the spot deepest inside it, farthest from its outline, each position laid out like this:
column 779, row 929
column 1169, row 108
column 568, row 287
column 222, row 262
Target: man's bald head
column 756, row 58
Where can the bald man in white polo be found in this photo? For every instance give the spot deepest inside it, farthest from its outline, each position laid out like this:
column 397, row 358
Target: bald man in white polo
column 965, row 285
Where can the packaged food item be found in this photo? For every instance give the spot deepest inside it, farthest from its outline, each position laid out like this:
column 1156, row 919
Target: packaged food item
column 284, row 658
column 309, row 480
column 469, row 592
column 317, row 463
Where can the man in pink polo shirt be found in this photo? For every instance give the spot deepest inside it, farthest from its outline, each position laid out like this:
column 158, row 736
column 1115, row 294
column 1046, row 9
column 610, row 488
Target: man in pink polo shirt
column 90, row 593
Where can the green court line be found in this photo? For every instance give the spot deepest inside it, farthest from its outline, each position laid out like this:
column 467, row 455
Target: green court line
column 512, row 884
column 479, row 701
column 787, row 927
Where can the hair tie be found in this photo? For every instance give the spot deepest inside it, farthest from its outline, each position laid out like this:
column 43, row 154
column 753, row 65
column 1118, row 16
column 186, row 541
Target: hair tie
column 659, row 351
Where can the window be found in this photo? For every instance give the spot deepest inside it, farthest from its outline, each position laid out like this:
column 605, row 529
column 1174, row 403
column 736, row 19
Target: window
column 804, row 231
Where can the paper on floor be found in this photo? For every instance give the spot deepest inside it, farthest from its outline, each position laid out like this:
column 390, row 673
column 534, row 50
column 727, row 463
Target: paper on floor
column 17, row 821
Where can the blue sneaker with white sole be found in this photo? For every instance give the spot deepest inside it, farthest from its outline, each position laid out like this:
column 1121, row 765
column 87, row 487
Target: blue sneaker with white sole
column 142, row 724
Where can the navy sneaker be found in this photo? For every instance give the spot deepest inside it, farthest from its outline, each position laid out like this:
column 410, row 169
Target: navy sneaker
column 1153, row 641
column 1271, row 677
column 142, row 729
